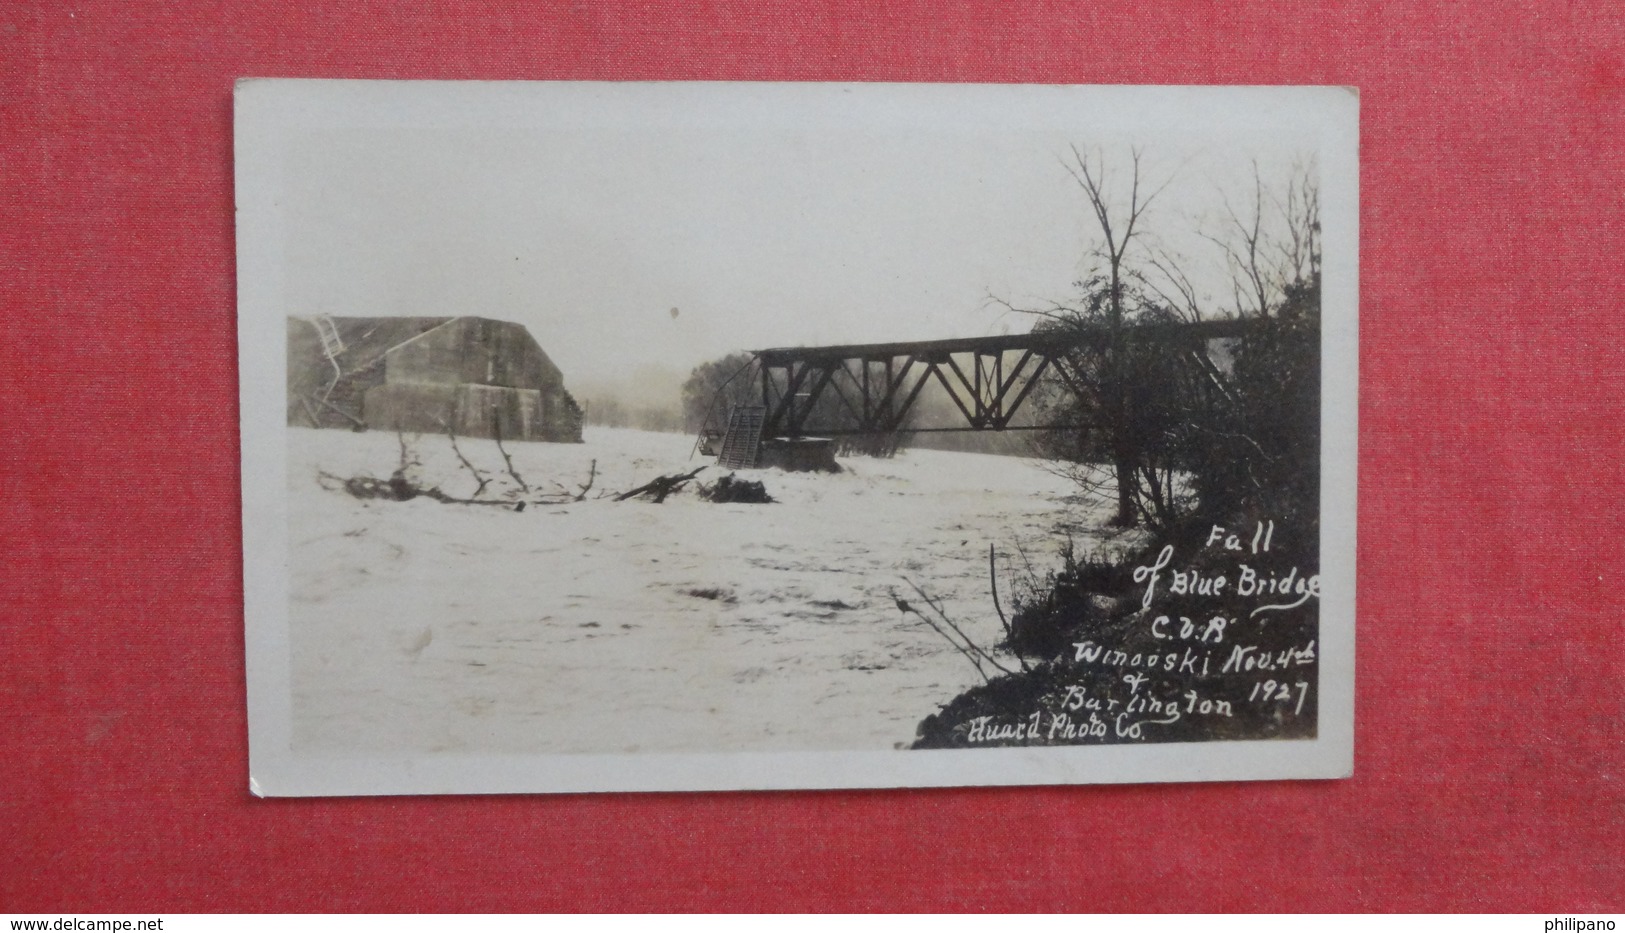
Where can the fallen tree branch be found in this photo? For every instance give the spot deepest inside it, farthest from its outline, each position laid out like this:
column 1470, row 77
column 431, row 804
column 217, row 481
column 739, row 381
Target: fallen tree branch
column 400, row 489
column 731, row 488
column 496, row 433
column 943, row 625
column 660, row 487
column 479, row 477
column 592, row 474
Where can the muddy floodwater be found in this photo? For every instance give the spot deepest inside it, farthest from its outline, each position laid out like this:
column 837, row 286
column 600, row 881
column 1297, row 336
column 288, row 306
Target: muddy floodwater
column 604, row 626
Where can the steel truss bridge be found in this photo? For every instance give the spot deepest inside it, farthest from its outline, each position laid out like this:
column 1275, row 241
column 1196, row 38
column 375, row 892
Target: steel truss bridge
column 988, row 378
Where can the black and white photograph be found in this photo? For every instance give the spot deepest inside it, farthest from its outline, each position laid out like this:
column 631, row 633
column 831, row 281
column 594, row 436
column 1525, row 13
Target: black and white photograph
column 616, row 437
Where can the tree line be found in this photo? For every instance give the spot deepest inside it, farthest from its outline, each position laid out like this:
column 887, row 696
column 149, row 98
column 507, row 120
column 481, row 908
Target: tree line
column 1179, row 432
column 1175, row 431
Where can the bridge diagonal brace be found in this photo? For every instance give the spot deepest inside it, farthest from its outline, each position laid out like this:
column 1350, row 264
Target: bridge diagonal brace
column 892, row 385
column 992, row 388
column 1071, row 377
column 974, row 421
column 835, row 386
column 1015, row 373
column 798, row 414
column 1027, row 387
column 908, row 402
column 794, row 376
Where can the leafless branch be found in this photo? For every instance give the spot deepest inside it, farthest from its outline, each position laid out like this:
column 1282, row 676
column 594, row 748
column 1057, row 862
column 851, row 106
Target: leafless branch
column 496, row 434
column 993, row 586
column 965, row 643
column 592, row 474
column 479, row 477
column 660, row 487
column 965, row 651
column 1299, row 249
column 1184, row 301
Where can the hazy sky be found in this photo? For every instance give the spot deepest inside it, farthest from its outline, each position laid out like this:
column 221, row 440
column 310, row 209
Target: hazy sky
column 765, row 215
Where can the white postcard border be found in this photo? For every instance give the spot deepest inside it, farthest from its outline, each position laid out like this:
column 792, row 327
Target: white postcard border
column 270, row 112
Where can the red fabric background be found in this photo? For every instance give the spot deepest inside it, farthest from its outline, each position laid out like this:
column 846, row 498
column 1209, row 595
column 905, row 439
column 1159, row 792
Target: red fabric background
column 1491, row 656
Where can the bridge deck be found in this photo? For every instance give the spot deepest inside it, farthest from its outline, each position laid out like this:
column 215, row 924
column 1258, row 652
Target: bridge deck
column 871, row 388
column 1044, row 341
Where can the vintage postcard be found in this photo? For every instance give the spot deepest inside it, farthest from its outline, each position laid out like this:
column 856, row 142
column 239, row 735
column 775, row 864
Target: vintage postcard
column 643, row 436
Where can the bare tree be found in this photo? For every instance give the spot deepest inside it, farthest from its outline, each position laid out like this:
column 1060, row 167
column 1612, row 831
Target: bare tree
column 1259, row 450
column 1120, row 226
column 1272, row 243
column 1300, row 208
column 1121, row 229
column 1154, row 404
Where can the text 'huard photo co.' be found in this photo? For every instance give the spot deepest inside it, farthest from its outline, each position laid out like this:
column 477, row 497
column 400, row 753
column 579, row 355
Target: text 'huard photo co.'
column 614, row 437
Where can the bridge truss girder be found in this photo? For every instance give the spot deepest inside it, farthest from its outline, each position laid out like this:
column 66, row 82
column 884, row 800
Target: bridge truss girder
column 878, row 393
column 988, row 379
